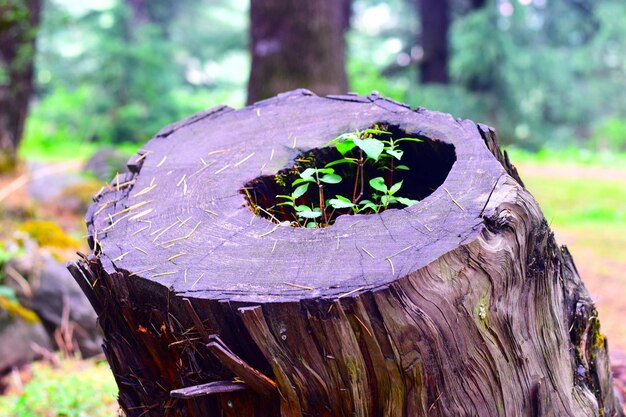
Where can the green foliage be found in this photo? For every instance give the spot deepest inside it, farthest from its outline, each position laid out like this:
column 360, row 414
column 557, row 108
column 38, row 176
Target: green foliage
column 546, row 73
column 572, row 156
column 574, row 202
column 55, row 130
column 107, row 76
column 610, row 135
column 452, row 99
column 543, row 74
column 359, row 150
column 75, row 389
column 381, row 32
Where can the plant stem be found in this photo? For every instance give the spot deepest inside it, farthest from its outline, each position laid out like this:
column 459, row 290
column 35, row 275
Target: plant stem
column 320, row 187
column 322, row 205
column 361, row 171
column 362, row 183
column 356, row 182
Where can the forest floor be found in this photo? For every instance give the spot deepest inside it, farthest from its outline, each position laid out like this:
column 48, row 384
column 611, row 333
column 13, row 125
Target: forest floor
column 585, row 206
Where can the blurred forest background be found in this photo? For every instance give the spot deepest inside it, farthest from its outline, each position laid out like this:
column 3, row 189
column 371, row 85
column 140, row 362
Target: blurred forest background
column 546, row 73
column 84, row 83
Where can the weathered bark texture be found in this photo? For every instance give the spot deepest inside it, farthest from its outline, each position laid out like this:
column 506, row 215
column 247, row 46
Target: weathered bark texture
column 435, row 22
column 19, row 20
column 461, row 305
column 295, row 44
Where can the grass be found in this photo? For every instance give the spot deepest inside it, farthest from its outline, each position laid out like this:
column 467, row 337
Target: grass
column 75, row 389
column 568, row 156
column 34, row 149
column 580, row 195
column 590, row 209
column 574, row 202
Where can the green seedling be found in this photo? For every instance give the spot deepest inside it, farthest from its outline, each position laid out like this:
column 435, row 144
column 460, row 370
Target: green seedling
column 358, row 150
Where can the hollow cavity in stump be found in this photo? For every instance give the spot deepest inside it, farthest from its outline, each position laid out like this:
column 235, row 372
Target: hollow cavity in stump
column 358, row 172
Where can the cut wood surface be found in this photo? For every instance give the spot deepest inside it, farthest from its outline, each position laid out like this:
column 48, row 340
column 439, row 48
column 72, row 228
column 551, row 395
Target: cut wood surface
column 461, row 305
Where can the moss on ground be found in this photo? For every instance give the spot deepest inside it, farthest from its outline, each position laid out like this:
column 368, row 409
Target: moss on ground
column 49, row 234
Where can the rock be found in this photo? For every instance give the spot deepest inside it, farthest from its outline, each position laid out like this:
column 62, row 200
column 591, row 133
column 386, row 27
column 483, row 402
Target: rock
column 106, row 162
column 78, row 197
column 16, row 341
column 51, row 290
column 47, row 181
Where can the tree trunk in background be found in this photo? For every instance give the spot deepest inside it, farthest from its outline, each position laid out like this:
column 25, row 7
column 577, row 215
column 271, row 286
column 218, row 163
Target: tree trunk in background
column 346, row 13
column 297, row 44
column 19, row 20
column 157, row 12
column 140, row 10
column 477, row 4
column 435, row 21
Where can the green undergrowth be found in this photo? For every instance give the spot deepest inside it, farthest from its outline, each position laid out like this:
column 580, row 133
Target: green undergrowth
column 369, row 160
column 37, row 148
column 587, row 212
column 575, row 202
column 568, row 156
column 75, row 389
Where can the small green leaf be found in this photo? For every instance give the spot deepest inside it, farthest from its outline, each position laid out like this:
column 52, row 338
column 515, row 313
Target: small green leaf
column 342, row 138
column 367, row 204
column 372, row 147
column 345, row 146
column 340, row 202
column 376, row 132
column 396, row 153
column 311, row 225
column 402, row 167
column 301, row 180
column 409, row 140
column 307, row 173
column 302, row 207
column 378, row 184
column 300, row 191
column 335, row 141
column 309, row 214
column 330, row 179
column 394, row 188
column 325, row 171
column 406, row 201
column 348, row 136
column 285, row 203
column 286, row 197
column 385, row 200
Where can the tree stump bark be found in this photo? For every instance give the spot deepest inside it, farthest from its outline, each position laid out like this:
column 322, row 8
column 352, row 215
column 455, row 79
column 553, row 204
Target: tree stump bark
column 461, row 305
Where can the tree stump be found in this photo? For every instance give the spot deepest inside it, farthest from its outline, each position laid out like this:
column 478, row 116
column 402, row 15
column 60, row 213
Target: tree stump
column 460, row 305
